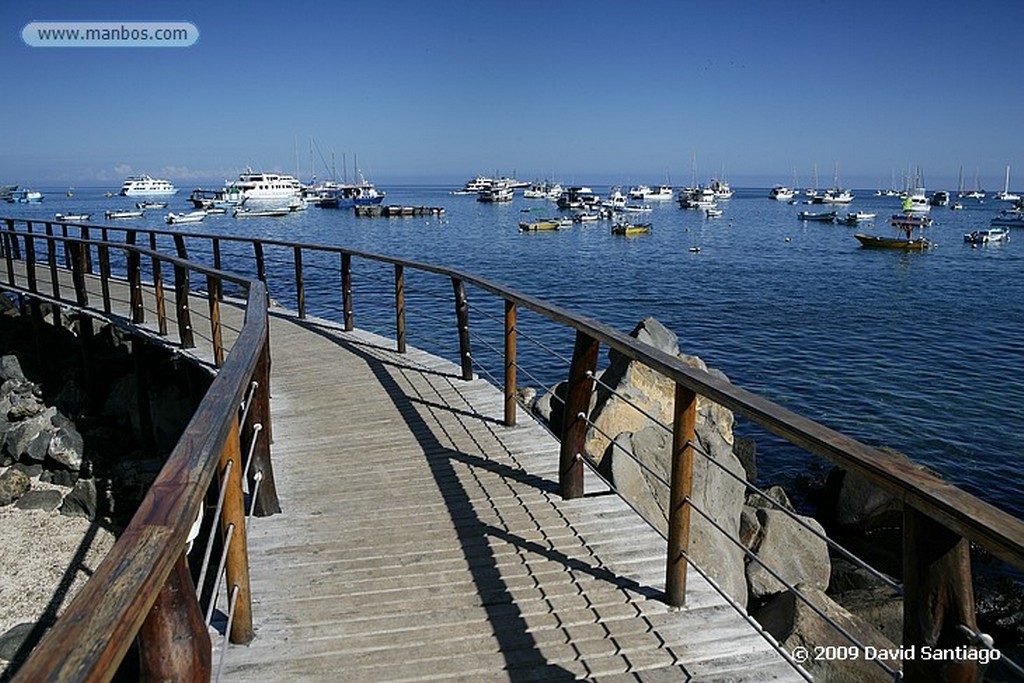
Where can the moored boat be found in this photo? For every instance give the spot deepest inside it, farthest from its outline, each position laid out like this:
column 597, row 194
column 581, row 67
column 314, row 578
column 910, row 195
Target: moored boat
column 271, row 187
column 1009, row 218
column 546, row 224
column 989, row 236
column 150, row 205
column 822, row 216
column 109, row 215
column 901, row 220
column 23, row 196
column 262, row 213
column 66, row 217
column 143, row 185
column 856, row 217
column 628, row 229
column 190, row 217
column 781, row 193
column 877, row 242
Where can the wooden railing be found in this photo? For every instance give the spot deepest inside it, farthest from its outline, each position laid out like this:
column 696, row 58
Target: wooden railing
column 940, row 520
column 143, row 589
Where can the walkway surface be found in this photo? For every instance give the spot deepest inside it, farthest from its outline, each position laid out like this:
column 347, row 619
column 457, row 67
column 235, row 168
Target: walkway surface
column 423, row 540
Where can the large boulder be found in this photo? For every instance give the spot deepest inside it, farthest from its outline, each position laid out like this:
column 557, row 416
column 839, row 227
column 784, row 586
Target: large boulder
column 796, row 625
column 13, row 485
column 790, row 550
column 66, row 446
column 718, row 489
column 30, row 439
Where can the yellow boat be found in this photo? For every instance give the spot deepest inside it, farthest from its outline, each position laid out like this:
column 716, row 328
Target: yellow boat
column 546, row 224
column 631, row 229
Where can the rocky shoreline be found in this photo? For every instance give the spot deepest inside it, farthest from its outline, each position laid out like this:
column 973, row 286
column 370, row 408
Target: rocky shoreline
column 84, row 428
column 846, row 508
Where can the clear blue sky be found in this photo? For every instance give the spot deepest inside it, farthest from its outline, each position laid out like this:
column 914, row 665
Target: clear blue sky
column 585, row 91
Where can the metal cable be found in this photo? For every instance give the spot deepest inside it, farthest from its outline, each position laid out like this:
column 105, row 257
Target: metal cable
column 986, row 641
column 227, row 631
column 216, row 518
column 220, row 572
column 632, row 456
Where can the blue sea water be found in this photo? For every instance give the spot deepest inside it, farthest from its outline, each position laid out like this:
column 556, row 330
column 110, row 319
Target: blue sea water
column 921, row 352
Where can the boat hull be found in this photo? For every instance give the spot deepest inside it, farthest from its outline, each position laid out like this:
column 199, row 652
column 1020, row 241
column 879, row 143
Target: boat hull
column 875, row 242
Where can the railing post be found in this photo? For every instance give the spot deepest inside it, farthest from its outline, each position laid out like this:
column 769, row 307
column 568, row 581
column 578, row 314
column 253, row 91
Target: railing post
column 510, row 363
column 462, row 320
column 233, row 515
column 78, row 259
column 346, row 289
column 30, row 263
column 173, row 641
column 684, row 425
column 181, row 289
column 104, row 256
column 261, row 267
column 574, row 427
column 938, row 597
column 216, row 254
column 135, row 286
column 9, row 251
column 51, row 258
column 84, row 232
column 267, row 502
column 213, row 293
column 400, row 307
column 300, row 290
column 158, row 288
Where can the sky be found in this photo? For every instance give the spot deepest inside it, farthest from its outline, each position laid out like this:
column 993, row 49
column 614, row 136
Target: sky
column 598, row 92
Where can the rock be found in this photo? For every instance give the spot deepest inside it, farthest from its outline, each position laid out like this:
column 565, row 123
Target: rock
column 13, row 485
column 49, row 499
column 847, row 576
column 750, row 528
column 549, row 407
column 715, row 492
column 791, row 551
column 82, row 500
column 66, row 446
column 794, row 624
column 15, row 642
column 10, row 368
column 21, row 400
column 30, row 439
column 526, row 396
column 71, row 399
column 776, row 494
column 882, row 607
column 745, row 450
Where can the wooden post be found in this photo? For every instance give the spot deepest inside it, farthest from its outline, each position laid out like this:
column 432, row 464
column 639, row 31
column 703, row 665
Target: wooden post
column 213, row 294
column 85, row 245
column 462, row 321
column 30, row 263
column 78, row 258
column 181, row 290
column 104, row 256
column 233, row 514
column 300, row 290
column 261, row 267
column 9, row 241
column 574, row 428
column 173, row 641
column 400, row 307
column 51, row 258
column 267, row 502
column 938, row 596
column 216, row 253
column 346, row 290
column 135, row 286
column 158, row 288
column 510, row 363
column 684, row 425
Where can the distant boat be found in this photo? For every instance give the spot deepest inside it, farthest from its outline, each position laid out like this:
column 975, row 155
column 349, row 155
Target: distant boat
column 123, row 214
column 781, row 193
column 721, row 189
column 858, row 217
column 1009, row 219
column 144, row 185
column 71, row 217
column 824, row 216
column 940, row 198
column 906, row 241
column 546, row 224
column 23, row 196
column 498, row 192
column 150, row 205
column 1006, row 195
column 630, row 229
column 713, row 213
column 262, row 213
column 190, row 217
column 987, row 236
column 900, row 220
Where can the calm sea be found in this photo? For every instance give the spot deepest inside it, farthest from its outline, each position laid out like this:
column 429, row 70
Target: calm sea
column 920, row 352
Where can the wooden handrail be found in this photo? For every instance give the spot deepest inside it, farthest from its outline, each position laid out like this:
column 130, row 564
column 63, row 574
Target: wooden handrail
column 144, row 567
column 930, row 503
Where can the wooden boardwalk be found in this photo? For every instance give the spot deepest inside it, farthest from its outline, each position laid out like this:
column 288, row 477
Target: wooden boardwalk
column 421, row 539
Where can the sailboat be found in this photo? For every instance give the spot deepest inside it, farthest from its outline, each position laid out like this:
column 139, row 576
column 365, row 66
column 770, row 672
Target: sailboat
column 1006, row 195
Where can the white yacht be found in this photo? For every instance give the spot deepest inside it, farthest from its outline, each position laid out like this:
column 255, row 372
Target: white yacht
column 781, row 193
column 267, row 186
column 143, row 185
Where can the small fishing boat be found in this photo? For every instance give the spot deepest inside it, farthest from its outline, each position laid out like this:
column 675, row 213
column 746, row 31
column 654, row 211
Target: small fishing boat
column 856, row 217
column 713, row 213
column 1009, row 218
column 69, row 217
column 823, row 216
column 109, row 215
column 905, row 241
column 190, row 217
column 989, row 236
column 23, row 196
column 629, row 229
column 546, row 224
column 911, row 220
column 150, row 205
column 261, row 213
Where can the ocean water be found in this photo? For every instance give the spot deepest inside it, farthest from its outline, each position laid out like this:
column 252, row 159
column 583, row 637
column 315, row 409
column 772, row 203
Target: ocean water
column 921, row 352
